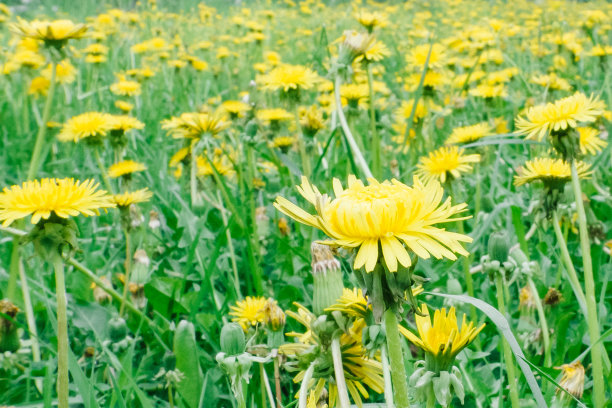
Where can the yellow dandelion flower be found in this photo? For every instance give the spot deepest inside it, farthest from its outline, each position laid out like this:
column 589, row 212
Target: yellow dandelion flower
column 128, row 198
column 489, row 91
column 65, row 72
column 125, row 123
column 391, row 215
column 54, row 33
column 220, row 162
column 194, row 125
column 417, row 57
column 403, row 112
column 572, row 379
column 125, row 87
column 447, row 161
column 42, row 198
column 283, row 142
column 468, row 134
column 371, row 20
column 442, row 338
column 552, row 81
column 89, row 126
column 249, row 312
column 273, row 114
column 39, row 86
column 549, row 171
column 235, row 108
column 288, row 77
column 124, row 106
column 559, row 116
column 590, row 142
column 124, row 168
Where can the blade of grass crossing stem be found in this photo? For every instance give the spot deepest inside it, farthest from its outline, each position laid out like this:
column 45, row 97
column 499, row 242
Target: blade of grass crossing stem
column 322, row 155
column 504, row 328
column 417, row 95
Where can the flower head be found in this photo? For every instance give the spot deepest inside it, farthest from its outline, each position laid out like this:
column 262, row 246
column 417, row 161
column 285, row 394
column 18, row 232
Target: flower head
column 548, row 171
column 573, row 378
column 289, row 77
column 249, row 312
column 447, row 161
column 389, row 215
column 468, row 134
column 61, row 197
column 128, row 198
column 194, row 125
column 441, row 339
column 124, row 168
column 54, row 33
column 590, row 142
column 559, row 116
column 90, row 126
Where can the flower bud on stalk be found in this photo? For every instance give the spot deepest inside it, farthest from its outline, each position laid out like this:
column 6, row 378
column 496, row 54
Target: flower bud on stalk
column 9, row 336
column 327, row 277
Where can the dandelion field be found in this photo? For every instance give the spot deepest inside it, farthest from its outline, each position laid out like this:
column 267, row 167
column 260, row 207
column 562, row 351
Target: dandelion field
column 305, row 204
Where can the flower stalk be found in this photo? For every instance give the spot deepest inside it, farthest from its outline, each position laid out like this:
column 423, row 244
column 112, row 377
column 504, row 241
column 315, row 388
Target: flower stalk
column 396, row 357
column 62, row 332
column 339, row 373
column 375, row 139
column 40, row 136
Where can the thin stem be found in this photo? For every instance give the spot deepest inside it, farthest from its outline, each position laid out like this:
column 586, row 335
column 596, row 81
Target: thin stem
column 599, row 398
column 128, row 269
column 347, row 132
column 40, row 136
column 230, row 246
column 396, row 357
column 11, row 291
column 254, row 235
column 170, row 396
column 431, row 399
column 387, row 377
column 501, row 305
column 62, row 333
column 304, row 386
column 572, row 276
column 269, row 393
column 306, row 168
column 339, row 372
column 30, row 319
column 103, row 173
column 375, row 140
column 277, row 383
column 543, row 322
column 193, row 182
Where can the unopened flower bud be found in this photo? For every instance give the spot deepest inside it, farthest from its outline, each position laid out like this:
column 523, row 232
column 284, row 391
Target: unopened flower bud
column 327, row 278
column 154, row 222
column 553, row 297
column 9, row 336
column 233, row 341
column 499, row 246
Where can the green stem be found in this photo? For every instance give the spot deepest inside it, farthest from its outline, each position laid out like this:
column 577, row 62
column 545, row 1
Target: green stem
column 193, row 182
column 572, row 276
column 62, row 333
column 396, row 357
column 375, row 147
column 170, row 396
column 230, row 246
column 501, row 305
column 431, row 399
column 40, row 136
column 105, row 179
column 543, row 322
column 306, row 168
column 30, row 319
column 128, row 269
column 11, row 291
column 599, row 398
column 339, row 373
column 262, row 385
column 304, row 386
column 254, row 235
column 277, row 383
column 386, row 377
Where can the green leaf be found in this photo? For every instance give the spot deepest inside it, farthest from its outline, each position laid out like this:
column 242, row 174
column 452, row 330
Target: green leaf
column 504, row 328
column 187, row 361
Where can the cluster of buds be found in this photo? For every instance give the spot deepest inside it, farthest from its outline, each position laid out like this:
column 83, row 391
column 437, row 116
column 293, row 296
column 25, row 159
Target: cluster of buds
column 119, row 338
column 509, row 261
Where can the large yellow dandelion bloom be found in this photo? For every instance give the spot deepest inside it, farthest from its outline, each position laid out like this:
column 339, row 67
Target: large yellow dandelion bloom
column 468, row 134
column 62, row 197
column 549, row 170
column 49, row 31
column 559, row 116
column 84, row 126
column 132, row 197
column 124, row 168
column 289, row 77
column 195, row 124
column 389, row 215
column 249, row 312
column 590, row 142
column 444, row 162
column 443, row 337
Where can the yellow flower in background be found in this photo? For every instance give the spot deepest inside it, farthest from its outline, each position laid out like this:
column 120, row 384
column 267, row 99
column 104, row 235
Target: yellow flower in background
column 590, row 142
column 39, row 86
column 249, row 312
column 273, row 115
column 194, row 125
column 128, row 198
column 90, row 126
column 371, row 19
column 124, row 106
column 65, row 72
column 468, row 134
column 61, row 197
column 572, row 379
column 287, row 77
column 418, row 55
column 54, row 33
column 235, row 108
column 446, row 162
column 549, row 170
column 125, row 123
column 552, row 81
column 557, row 116
column 489, row 91
column 391, row 215
column 126, row 87
column 442, row 338
column 124, row 168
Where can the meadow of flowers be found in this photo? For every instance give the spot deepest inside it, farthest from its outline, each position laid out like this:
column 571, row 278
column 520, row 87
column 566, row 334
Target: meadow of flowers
column 305, row 204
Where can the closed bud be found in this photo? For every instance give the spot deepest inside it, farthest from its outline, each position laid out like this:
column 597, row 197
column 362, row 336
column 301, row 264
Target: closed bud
column 553, row 297
column 327, row 278
column 274, row 317
column 233, row 341
column 9, row 337
column 117, row 329
column 499, row 246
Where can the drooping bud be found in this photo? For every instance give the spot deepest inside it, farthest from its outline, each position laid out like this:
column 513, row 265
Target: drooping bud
column 232, row 339
column 573, row 379
column 327, row 278
column 553, row 297
column 9, row 336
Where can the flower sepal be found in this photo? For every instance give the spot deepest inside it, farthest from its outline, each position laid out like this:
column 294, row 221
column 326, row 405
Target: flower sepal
column 442, row 385
column 53, row 237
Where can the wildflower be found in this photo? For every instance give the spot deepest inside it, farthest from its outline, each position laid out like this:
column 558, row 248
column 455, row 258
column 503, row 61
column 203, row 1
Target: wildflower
column 54, row 33
column 526, row 299
column 249, row 312
column 9, row 335
column 553, row 297
column 125, row 168
column 99, row 294
column 389, row 214
column 552, row 81
column 284, row 143
column 288, row 78
column 39, row 86
column 468, row 134
column 126, row 87
column 124, row 200
column 273, row 115
column 47, row 197
column 590, row 142
column 311, row 120
column 442, row 339
column 572, row 379
column 65, row 72
column 549, row 171
column 124, row 105
column 448, row 162
column 90, row 127
column 235, row 108
column 371, row 20
column 194, row 125
column 489, row 91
